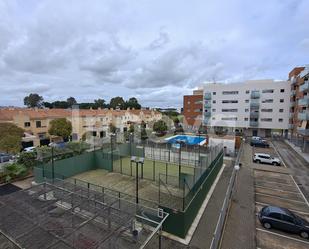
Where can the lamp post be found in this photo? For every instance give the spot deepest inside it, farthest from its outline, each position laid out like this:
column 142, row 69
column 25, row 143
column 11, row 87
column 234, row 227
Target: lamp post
column 113, row 135
column 137, row 162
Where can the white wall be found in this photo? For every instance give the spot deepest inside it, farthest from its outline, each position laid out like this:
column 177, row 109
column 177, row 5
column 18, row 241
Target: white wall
column 242, row 96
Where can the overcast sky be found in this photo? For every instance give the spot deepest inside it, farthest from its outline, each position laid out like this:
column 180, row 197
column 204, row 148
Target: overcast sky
column 156, row 50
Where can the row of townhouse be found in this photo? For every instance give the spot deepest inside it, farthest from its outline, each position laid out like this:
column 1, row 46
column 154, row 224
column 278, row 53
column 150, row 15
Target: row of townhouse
column 36, row 122
column 254, row 107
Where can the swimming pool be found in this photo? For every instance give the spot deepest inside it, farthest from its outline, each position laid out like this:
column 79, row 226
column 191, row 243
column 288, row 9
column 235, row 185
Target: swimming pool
column 190, row 140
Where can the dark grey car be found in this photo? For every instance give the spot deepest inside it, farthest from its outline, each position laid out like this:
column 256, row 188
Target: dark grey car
column 283, row 219
column 5, row 157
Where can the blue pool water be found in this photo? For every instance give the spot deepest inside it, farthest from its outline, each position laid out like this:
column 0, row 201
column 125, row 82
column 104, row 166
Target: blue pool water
column 190, row 140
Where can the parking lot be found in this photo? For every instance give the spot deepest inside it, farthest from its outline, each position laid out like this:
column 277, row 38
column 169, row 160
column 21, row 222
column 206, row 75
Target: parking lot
column 274, row 185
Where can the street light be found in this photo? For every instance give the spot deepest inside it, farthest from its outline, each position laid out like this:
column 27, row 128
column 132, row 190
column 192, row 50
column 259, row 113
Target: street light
column 137, row 162
column 113, row 135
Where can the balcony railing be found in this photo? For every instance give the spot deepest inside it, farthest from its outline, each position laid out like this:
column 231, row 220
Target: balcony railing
column 303, row 131
column 304, row 87
column 291, row 126
column 291, row 114
column 304, row 101
column 255, row 95
column 207, row 105
column 303, row 115
column 254, row 114
column 207, row 114
column 255, row 103
column 293, row 92
column 207, row 96
column 254, row 123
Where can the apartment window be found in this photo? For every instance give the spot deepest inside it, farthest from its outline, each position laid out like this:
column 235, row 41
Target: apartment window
column 38, row 124
column 281, row 100
column 282, row 90
column 247, row 100
column 229, row 92
column 267, row 101
column 280, row 120
column 229, row 110
column 214, row 110
column 268, row 91
column 266, row 119
column 229, row 101
column 266, row 110
column 214, row 102
column 280, row 110
column 213, row 118
column 214, row 93
column 197, row 110
column 229, row 118
column 246, row 110
column 247, row 91
column 27, row 124
column 246, row 119
column 189, row 102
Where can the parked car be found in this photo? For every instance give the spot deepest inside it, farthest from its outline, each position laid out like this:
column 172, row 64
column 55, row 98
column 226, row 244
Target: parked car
column 259, row 143
column 29, row 149
column 4, row 157
column 283, row 219
column 266, row 158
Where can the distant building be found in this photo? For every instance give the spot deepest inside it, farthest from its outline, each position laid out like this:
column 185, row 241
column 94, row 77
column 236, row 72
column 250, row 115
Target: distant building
column 36, row 122
column 299, row 111
column 193, row 110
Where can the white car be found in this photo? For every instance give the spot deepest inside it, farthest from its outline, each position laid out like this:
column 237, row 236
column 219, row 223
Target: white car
column 29, row 149
column 266, row 158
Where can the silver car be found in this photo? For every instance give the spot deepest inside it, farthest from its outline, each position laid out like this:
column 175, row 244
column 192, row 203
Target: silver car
column 266, row 158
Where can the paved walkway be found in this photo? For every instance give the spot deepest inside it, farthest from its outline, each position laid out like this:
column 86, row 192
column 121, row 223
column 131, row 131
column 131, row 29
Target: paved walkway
column 206, row 227
column 240, row 226
column 297, row 149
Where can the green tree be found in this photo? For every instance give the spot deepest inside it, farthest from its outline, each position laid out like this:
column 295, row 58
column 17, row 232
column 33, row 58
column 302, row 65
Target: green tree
column 71, row 101
column 60, row 127
column 60, row 104
column 112, row 128
column 10, row 137
column 117, row 102
column 132, row 103
column 160, row 127
column 131, row 128
column 10, row 144
column 33, row 100
column 28, row 159
column 99, row 103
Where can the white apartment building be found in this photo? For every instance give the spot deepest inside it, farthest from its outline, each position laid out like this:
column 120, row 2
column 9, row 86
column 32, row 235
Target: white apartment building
column 255, row 107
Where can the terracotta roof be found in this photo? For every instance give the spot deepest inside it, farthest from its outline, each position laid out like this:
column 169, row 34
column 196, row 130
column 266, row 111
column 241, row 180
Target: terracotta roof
column 8, row 114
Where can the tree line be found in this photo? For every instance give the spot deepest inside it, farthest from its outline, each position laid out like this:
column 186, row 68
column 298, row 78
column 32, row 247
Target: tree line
column 35, row 100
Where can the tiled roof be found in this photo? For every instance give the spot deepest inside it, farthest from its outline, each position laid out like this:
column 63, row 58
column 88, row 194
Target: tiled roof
column 8, row 114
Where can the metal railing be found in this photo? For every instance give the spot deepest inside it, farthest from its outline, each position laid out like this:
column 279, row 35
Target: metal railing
column 215, row 243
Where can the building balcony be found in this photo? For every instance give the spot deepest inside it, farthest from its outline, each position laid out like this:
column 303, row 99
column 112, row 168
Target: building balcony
column 304, row 73
column 304, row 87
column 291, row 126
column 254, row 104
column 291, row 115
column 207, row 96
column 255, row 95
column 304, row 101
column 254, row 114
column 207, row 104
column 207, row 114
column 303, row 115
column 254, row 123
column 293, row 92
column 303, row 131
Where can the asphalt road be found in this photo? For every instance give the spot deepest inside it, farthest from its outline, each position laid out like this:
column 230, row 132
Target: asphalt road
column 298, row 166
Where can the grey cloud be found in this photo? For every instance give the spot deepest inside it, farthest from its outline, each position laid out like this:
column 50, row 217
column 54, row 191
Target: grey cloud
column 160, row 42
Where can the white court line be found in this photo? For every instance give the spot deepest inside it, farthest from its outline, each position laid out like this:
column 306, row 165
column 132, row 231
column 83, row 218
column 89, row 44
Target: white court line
column 267, row 204
column 283, row 236
column 286, row 199
column 292, row 177
column 279, row 190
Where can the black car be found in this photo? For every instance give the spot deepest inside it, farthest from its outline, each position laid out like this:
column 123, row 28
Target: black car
column 259, row 143
column 283, row 219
